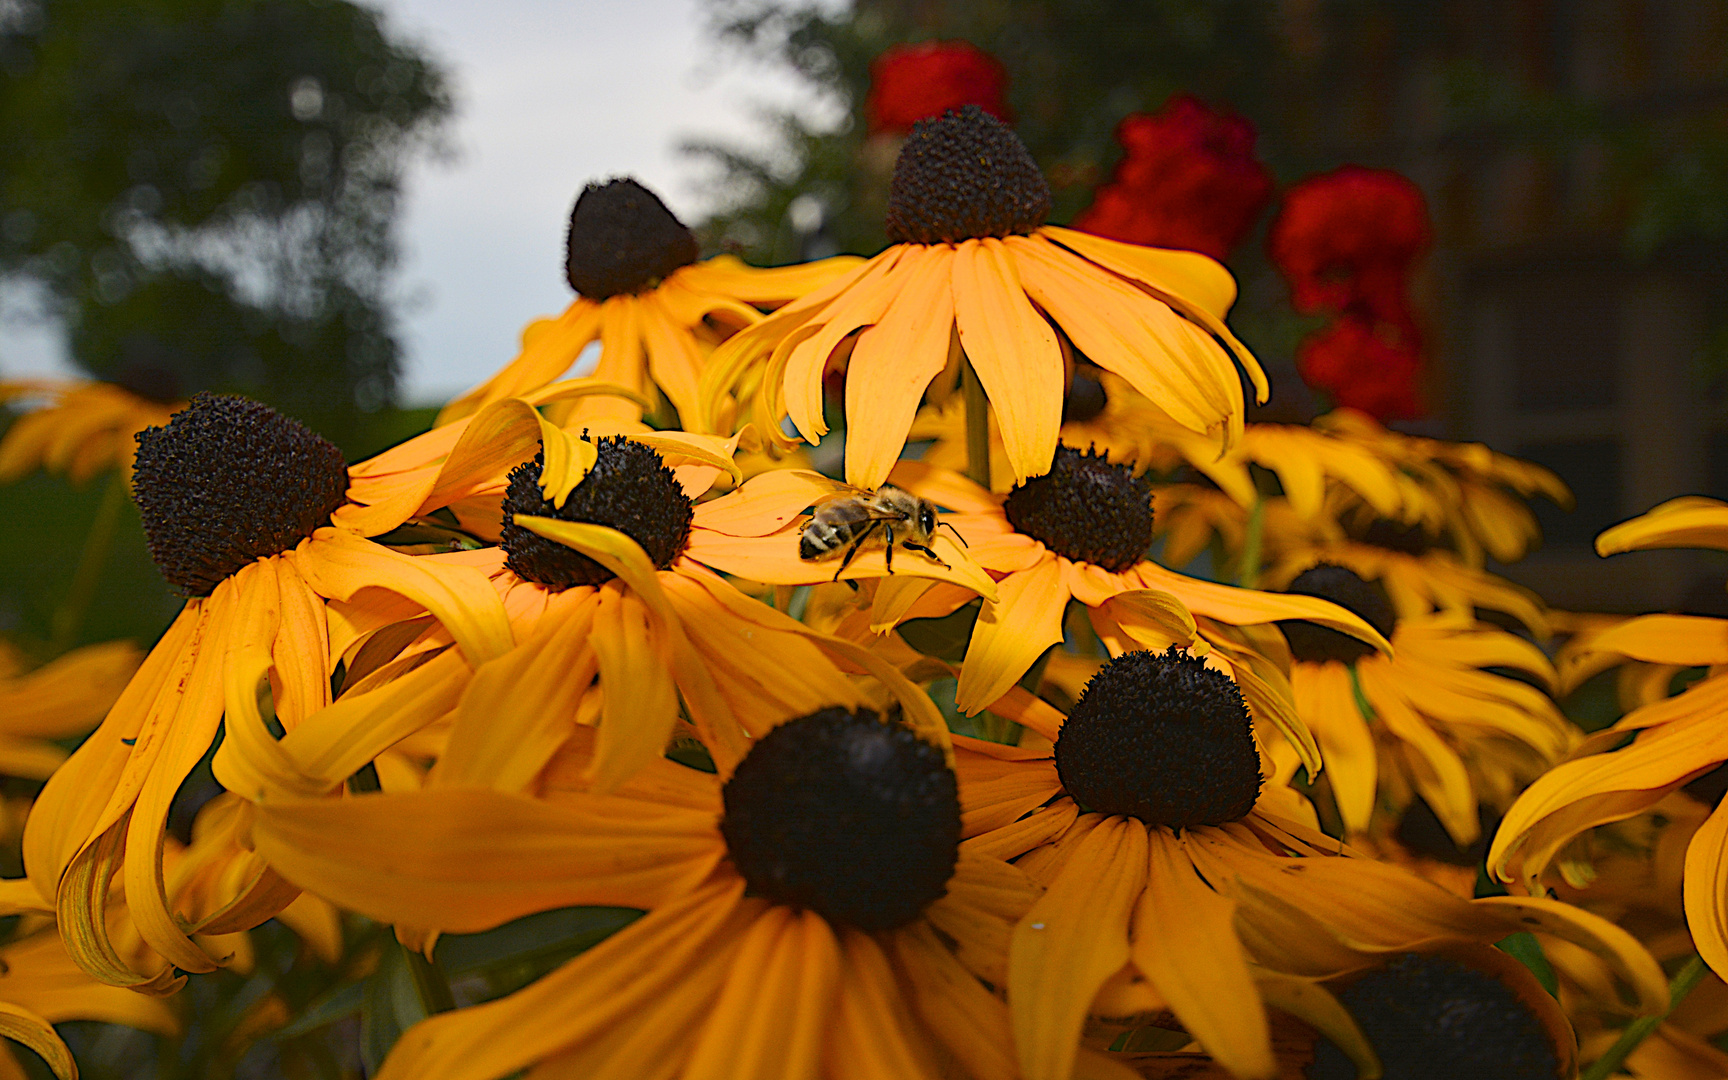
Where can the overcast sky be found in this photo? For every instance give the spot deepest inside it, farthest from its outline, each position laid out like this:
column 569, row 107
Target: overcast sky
column 551, row 94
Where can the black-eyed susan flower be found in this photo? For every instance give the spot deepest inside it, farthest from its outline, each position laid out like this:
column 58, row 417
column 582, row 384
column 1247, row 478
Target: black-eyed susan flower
column 1675, row 740
column 1467, row 1010
column 811, row 916
column 641, row 293
column 78, row 427
column 237, row 502
column 1081, row 532
column 1478, row 494
column 973, row 269
column 1431, row 720
column 1174, row 885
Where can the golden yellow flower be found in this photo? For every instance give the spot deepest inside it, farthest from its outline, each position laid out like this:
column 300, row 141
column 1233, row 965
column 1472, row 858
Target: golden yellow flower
column 1080, row 533
column 793, row 927
column 1175, row 884
column 237, row 503
column 1478, row 494
column 1674, row 740
column 656, row 312
column 975, row 271
column 75, row 427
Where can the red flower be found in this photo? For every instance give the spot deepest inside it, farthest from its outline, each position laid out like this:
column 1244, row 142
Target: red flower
column 1367, row 367
column 1188, row 179
column 911, row 82
column 1347, row 241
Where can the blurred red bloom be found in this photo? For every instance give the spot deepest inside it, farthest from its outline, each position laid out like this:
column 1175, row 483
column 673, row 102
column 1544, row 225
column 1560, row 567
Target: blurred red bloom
column 1188, row 179
column 911, row 82
column 1348, row 239
column 1367, row 367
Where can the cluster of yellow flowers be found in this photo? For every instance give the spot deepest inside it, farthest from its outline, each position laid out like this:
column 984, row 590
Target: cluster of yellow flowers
column 941, row 770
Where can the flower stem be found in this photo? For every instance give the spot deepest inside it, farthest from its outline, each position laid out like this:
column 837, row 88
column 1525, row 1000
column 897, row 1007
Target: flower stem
column 1638, row 1030
column 977, row 425
column 430, row 983
column 1248, row 571
column 69, row 616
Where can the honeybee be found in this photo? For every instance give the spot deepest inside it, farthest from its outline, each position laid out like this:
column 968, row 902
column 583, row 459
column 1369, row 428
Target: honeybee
column 899, row 516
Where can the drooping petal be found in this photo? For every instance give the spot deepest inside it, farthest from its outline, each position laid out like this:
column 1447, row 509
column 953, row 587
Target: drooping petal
column 1705, row 892
column 1014, row 352
column 1689, row 521
column 1185, row 942
column 339, row 564
column 1072, row 940
column 468, row 859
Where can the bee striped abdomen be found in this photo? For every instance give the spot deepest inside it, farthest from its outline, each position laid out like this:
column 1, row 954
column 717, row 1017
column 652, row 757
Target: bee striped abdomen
column 818, row 539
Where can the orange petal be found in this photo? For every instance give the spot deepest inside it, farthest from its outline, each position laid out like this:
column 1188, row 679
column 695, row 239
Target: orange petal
column 1012, row 633
column 1072, row 940
column 893, row 362
column 788, row 967
column 1014, row 352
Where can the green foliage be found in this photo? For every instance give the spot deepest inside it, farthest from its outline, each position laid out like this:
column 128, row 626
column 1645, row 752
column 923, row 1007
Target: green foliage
column 209, row 186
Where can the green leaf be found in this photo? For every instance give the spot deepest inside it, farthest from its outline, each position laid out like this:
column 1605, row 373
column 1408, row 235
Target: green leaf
column 1524, row 948
column 511, row 956
column 946, row 637
column 340, row 1002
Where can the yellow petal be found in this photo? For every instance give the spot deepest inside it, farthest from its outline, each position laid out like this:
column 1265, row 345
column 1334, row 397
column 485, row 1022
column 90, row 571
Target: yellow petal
column 1327, row 704
column 1689, row 521
column 1185, row 942
column 340, row 564
column 608, row 547
column 1245, row 607
column 787, row 967
column 679, row 447
column 567, row 460
column 1012, row 633
column 1706, row 889
column 1315, row 1006
column 893, row 362
column 872, row 1033
column 1620, row 950
column 1014, row 352
column 640, row 705
column 465, row 860
column 764, row 503
column 1072, row 940
column 36, row 1033
column 679, row 952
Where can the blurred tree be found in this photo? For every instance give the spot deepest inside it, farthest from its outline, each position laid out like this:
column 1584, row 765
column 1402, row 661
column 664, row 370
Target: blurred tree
column 207, row 188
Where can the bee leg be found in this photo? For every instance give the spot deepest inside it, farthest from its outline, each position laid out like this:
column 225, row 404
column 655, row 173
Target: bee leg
column 888, row 556
column 853, row 550
column 927, row 551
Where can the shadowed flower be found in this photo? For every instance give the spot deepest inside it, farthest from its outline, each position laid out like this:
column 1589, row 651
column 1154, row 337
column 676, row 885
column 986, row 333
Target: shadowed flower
column 1171, row 889
column 1188, row 179
column 909, row 83
column 655, row 311
column 1433, row 719
column 75, row 428
column 975, row 272
column 1675, row 740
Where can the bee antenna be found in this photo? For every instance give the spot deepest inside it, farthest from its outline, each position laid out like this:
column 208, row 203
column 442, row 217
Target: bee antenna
column 956, row 532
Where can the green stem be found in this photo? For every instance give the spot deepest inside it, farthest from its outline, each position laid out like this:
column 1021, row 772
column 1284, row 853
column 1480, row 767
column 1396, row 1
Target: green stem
column 1248, row 572
column 977, row 425
column 69, row 616
column 430, row 983
column 1638, row 1030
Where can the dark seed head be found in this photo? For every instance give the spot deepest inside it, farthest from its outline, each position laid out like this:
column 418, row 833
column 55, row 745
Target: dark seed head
column 623, row 239
column 962, row 176
column 855, row 819
column 1318, row 644
column 1431, row 1018
column 229, row 481
column 1086, row 509
column 1163, row 738
column 629, row 489
column 1396, row 536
